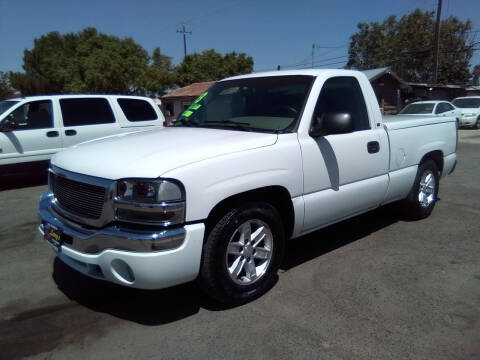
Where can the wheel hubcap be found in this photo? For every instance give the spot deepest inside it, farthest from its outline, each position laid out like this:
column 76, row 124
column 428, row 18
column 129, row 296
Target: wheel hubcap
column 249, row 252
column 426, row 191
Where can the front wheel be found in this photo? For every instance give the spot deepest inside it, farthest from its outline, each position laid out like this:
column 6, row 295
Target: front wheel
column 242, row 254
column 477, row 124
column 421, row 200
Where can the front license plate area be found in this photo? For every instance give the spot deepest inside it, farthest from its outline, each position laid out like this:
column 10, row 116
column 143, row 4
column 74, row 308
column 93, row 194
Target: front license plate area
column 53, row 236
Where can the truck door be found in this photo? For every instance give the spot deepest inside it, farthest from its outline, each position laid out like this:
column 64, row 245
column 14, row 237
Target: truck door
column 35, row 135
column 344, row 173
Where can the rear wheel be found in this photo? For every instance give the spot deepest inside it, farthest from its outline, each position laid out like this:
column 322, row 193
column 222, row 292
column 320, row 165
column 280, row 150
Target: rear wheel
column 242, row 254
column 421, row 200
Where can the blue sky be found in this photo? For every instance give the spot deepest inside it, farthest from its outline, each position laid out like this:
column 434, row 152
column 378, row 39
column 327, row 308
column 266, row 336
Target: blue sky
column 273, row 32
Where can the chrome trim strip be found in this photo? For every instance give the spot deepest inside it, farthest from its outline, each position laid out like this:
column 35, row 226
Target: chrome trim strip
column 93, row 241
column 153, row 207
column 92, row 180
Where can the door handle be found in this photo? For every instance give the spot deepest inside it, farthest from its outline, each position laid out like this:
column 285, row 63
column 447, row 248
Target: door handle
column 373, row 147
column 52, row 134
column 70, row 132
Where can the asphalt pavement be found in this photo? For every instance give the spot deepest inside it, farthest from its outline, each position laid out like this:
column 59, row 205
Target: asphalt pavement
column 373, row 287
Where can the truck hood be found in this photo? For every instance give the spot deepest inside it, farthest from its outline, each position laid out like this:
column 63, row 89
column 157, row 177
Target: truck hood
column 150, row 154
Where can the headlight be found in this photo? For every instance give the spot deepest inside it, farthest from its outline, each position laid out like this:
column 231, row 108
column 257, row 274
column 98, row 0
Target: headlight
column 156, row 202
column 149, row 190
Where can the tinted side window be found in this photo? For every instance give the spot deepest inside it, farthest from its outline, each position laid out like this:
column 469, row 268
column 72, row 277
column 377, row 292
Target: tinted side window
column 448, row 107
column 343, row 95
column 33, row 115
column 86, row 111
column 441, row 108
column 137, row 110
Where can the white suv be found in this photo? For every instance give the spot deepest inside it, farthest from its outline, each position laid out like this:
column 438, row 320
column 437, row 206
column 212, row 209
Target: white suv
column 470, row 107
column 32, row 129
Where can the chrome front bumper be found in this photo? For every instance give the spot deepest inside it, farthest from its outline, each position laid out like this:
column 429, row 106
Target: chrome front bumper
column 147, row 260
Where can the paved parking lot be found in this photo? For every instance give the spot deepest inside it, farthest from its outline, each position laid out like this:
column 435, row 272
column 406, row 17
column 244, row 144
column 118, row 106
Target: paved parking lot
column 373, row 287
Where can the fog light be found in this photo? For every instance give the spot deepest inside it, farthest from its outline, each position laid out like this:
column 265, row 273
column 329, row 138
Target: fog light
column 122, row 271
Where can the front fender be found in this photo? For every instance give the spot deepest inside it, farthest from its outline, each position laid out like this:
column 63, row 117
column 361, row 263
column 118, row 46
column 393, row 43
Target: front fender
column 210, row 181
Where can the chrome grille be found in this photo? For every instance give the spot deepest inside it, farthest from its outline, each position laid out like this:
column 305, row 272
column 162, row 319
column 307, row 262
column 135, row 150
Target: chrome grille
column 78, row 197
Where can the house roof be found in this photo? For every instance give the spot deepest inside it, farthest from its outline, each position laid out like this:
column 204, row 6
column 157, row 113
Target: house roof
column 192, row 90
column 374, row 74
column 447, row 86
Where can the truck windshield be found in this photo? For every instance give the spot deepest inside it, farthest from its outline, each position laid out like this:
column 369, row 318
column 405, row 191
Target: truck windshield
column 5, row 105
column 467, row 103
column 268, row 104
column 425, row 108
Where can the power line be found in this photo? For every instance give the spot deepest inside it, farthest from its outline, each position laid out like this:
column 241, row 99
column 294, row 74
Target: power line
column 318, row 62
column 323, row 65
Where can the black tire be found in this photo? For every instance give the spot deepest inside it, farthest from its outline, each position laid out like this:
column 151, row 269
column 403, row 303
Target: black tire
column 477, row 124
column 215, row 279
column 412, row 206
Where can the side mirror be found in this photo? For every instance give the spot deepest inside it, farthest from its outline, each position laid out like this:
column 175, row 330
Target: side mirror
column 7, row 125
column 332, row 123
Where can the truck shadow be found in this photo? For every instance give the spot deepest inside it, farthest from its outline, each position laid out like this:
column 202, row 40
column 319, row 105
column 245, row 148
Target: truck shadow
column 157, row 307
column 19, row 176
column 146, row 307
column 320, row 242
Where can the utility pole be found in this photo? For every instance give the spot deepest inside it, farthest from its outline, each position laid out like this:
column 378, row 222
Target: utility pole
column 313, row 54
column 437, row 42
column 184, row 32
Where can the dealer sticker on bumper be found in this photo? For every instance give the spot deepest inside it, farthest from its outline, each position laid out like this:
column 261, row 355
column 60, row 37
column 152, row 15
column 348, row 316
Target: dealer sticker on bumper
column 53, row 236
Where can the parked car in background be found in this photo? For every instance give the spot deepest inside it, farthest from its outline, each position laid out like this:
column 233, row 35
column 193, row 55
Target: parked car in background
column 32, row 129
column 430, row 108
column 470, row 110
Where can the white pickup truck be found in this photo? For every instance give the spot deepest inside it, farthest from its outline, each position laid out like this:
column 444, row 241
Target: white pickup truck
column 256, row 160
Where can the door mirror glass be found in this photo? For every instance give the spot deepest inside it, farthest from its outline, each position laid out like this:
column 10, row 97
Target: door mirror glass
column 332, row 123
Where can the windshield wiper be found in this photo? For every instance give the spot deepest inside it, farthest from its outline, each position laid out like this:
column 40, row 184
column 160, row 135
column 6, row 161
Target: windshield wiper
column 237, row 124
column 185, row 122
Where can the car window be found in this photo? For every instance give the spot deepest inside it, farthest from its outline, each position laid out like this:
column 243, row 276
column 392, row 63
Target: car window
column 440, row 108
column 33, row 115
column 448, row 107
column 86, row 111
column 418, row 108
column 343, row 95
column 467, row 102
column 137, row 110
column 443, row 107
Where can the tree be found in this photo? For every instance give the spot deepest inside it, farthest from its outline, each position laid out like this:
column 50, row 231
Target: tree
column 159, row 75
column 6, row 90
column 89, row 62
column 476, row 75
column 406, row 46
column 210, row 65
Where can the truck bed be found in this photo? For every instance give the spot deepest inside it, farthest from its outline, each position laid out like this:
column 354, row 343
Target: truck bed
column 413, row 136
column 395, row 122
